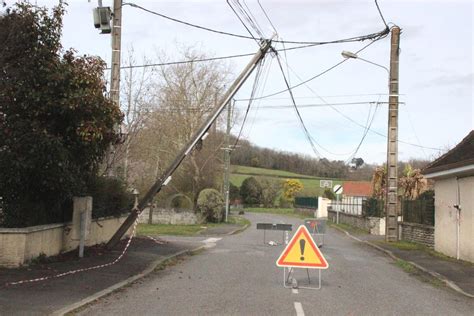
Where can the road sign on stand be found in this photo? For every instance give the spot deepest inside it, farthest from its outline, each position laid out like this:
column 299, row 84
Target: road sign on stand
column 302, row 252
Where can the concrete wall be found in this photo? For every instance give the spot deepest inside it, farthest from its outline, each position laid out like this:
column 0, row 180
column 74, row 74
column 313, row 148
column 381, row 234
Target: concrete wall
column 20, row 245
column 446, row 196
column 323, row 204
column 419, row 233
column 170, row 216
column 375, row 225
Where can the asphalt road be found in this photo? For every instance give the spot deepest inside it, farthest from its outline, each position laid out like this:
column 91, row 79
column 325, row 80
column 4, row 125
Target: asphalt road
column 239, row 277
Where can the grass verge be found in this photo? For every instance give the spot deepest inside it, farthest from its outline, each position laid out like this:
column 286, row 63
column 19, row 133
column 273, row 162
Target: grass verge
column 167, row 229
column 185, row 230
column 406, row 266
column 410, row 246
column 349, row 228
column 277, row 211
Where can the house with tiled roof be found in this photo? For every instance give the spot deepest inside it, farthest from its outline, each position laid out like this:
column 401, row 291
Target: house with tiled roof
column 357, row 188
column 353, row 195
column 454, row 200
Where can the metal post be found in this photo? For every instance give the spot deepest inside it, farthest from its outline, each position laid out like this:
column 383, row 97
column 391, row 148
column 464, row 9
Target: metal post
column 83, row 233
column 337, row 209
column 391, row 230
column 151, row 209
column 227, row 161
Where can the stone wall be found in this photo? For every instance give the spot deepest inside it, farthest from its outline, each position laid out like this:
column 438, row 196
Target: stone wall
column 374, row 225
column 20, row 245
column 170, row 216
column 419, row 233
column 308, row 212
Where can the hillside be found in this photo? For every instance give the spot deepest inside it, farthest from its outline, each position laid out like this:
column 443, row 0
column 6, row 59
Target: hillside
column 311, row 184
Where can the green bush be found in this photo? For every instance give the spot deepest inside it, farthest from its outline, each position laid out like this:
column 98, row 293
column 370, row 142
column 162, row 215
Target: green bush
column 329, row 194
column 109, row 197
column 251, row 191
column 210, row 205
column 427, row 195
column 56, row 122
column 373, row 207
column 234, row 192
column 283, row 202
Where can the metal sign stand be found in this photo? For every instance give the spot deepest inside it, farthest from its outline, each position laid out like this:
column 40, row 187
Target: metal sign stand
column 317, row 228
column 287, row 285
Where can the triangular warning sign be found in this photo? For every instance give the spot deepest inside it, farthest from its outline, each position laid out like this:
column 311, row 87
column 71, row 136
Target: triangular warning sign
column 302, row 252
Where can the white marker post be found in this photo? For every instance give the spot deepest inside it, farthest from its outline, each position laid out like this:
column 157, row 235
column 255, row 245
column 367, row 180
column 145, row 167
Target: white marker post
column 337, row 190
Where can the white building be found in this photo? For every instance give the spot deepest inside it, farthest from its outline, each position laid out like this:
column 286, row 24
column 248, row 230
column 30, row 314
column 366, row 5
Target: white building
column 454, row 200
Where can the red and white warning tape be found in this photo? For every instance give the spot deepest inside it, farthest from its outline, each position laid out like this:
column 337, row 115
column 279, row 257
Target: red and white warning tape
column 89, row 268
column 158, row 241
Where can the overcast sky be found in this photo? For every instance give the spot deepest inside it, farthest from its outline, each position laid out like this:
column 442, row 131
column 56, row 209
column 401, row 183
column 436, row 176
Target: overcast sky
column 436, row 67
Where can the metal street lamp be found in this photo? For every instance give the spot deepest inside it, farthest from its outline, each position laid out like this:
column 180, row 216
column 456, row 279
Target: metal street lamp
column 348, row 55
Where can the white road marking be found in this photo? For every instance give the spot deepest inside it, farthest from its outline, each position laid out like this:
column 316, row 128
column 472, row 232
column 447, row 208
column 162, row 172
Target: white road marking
column 294, row 291
column 211, row 240
column 299, row 309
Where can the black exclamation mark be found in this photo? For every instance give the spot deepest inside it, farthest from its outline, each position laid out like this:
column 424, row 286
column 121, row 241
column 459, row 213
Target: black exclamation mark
column 302, row 244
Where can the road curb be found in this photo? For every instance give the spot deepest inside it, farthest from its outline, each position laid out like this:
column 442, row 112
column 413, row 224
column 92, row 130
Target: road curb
column 151, row 267
column 238, row 230
column 434, row 274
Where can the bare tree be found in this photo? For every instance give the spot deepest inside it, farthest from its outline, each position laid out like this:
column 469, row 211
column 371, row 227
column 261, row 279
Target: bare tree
column 138, row 100
column 186, row 94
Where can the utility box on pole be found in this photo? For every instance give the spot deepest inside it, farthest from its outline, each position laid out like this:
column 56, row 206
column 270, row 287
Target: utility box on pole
column 102, row 17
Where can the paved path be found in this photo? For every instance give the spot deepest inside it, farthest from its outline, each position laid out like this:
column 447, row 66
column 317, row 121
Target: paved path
column 239, row 277
column 48, row 296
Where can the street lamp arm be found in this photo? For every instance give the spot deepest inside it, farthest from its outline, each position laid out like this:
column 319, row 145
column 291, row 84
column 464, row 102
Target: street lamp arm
column 375, row 64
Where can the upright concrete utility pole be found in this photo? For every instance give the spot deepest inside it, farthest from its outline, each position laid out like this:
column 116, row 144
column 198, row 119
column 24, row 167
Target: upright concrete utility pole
column 227, row 150
column 116, row 45
column 391, row 222
column 115, row 68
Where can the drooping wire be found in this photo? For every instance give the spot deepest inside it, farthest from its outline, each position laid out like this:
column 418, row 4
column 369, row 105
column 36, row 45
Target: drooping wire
column 250, row 17
column 371, row 36
column 303, row 82
column 258, row 107
column 352, row 120
column 254, row 89
column 300, row 119
column 205, row 59
column 322, row 147
column 241, row 21
column 366, row 131
column 381, row 15
column 266, row 15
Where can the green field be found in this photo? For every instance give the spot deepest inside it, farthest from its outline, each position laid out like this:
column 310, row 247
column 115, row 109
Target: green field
column 310, row 183
column 265, row 172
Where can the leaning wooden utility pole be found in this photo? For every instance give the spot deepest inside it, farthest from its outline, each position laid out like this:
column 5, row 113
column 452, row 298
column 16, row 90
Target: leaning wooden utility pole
column 115, row 69
column 199, row 136
column 391, row 222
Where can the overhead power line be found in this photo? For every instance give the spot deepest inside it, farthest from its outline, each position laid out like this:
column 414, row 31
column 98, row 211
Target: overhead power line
column 371, row 36
column 305, row 130
column 254, row 90
column 321, row 105
column 317, row 75
column 189, row 61
column 352, row 120
column 183, row 61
